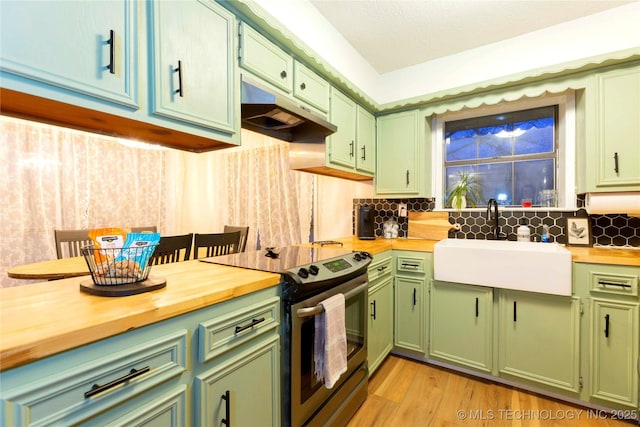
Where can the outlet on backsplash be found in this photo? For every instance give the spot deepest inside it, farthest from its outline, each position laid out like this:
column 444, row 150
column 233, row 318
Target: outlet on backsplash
column 609, row 230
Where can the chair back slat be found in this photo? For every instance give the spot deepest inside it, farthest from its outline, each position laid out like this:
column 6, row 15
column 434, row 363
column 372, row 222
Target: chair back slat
column 216, row 244
column 69, row 242
column 172, row 249
column 244, row 231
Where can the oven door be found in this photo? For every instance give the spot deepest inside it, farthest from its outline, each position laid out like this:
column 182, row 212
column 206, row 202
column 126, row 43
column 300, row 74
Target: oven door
column 308, row 394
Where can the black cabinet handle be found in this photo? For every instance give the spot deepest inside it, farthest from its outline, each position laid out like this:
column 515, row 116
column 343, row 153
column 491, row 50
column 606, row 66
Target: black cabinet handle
column 407, row 177
column 615, row 160
column 477, row 307
column 112, row 46
column 414, row 296
column 411, row 266
column 373, row 311
column 179, row 71
column 283, row 74
column 515, row 311
column 351, row 145
column 227, row 408
column 606, row 326
column 253, row 323
column 97, row 388
column 364, row 152
column 381, row 269
column 303, row 86
column 605, row 283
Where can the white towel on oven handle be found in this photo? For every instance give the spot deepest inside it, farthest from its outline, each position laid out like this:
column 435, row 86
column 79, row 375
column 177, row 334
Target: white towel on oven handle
column 330, row 341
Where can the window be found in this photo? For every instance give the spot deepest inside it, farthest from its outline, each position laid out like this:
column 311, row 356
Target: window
column 517, row 155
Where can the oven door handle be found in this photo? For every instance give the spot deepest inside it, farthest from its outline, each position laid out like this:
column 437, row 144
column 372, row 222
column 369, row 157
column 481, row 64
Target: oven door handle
column 312, row 311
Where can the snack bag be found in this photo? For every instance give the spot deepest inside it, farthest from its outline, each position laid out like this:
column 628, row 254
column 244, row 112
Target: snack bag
column 138, row 248
column 108, row 241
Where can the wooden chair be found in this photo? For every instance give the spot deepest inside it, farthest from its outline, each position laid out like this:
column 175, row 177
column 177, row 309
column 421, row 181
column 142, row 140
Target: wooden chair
column 72, row 240
column 170, row 248
column 151, row 228
column 244, row 231
column 216, row 244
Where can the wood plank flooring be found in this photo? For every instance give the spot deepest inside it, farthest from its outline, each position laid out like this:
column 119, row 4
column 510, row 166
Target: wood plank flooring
column 407, row 393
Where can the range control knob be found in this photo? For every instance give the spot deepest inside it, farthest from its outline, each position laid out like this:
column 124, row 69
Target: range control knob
column 313, row 270
column 365, row 255
column 303, row 272
column 357, row 256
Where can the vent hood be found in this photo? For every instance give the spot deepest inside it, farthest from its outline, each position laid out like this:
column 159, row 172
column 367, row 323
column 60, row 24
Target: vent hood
column 282, row 118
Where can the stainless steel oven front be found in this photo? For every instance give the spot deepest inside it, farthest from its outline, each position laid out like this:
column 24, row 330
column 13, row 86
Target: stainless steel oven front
column 307, row 400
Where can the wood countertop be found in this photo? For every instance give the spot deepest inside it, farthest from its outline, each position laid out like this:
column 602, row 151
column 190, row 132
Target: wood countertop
column 592, row 255
column 42, row 319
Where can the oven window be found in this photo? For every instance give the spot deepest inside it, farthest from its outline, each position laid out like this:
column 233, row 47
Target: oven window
column 355, row 326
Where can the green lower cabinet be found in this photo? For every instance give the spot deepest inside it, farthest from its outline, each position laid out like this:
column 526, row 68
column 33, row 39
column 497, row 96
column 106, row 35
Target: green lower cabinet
column 614, row 351
column 461, row 324
column 539, row 338
column 243, row 390
column 380, row 327
column 410, row 324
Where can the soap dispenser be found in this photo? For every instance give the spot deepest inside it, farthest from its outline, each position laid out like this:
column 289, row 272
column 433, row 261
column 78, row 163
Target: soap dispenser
column 523, row 232
column 546, row 238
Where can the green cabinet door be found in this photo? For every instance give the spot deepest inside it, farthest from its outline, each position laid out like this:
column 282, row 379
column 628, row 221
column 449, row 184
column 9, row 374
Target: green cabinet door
column 366, row 141
column 399, row 154
column 342, row 143
column 410, row 314
column 461, row 324
column 539, row 338
column 244, row 390
column 264, row 59
column 195, row 77
column 86, row 47
column 617, row 150
column 614, row 350
column 310, row 87
column 380, row 332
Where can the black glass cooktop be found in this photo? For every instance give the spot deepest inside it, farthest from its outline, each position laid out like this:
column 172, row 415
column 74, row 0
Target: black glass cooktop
column 277, row 260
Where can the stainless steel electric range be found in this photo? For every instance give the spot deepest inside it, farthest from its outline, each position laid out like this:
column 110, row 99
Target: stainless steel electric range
column 310, row 275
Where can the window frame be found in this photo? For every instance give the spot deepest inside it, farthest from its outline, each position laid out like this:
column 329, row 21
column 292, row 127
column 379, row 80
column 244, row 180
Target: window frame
column 566, row 143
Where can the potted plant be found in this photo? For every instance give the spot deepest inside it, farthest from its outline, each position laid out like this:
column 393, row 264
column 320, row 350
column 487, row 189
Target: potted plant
column 464, row 191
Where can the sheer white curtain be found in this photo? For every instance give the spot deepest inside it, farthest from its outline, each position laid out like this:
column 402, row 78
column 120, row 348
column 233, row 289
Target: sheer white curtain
column 55, row 177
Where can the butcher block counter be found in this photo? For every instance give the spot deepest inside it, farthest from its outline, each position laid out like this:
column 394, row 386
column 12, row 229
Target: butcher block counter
column 42, row 319
column 592, row 255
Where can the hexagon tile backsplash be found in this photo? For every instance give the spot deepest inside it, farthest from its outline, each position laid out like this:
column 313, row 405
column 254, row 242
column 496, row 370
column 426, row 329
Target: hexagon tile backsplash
column 606, row 230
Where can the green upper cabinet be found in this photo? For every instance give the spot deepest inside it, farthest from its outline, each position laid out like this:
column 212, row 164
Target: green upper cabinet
column 193, row 63
column 265, row 60
column 401, row 155
column 310, row 87
column 461, row 324
column 365, row 141
column 531, row 322
column 342, row 143
column 88, row 48
column 614, row 157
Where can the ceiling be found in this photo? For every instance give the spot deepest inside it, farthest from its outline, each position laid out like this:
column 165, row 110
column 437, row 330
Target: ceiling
column 395, row 34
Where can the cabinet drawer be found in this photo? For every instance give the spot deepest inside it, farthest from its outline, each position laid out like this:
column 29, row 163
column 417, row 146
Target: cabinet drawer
column 264, row 59
column 410, row 264
column 379, row 269
column 614, row 283
column 78, row 393
column 231, row 330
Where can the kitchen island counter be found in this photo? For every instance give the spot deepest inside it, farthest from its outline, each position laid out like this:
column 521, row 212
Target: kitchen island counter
column 42, row 319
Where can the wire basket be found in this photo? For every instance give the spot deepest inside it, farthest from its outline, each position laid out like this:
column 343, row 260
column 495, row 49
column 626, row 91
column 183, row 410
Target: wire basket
column 118, row 266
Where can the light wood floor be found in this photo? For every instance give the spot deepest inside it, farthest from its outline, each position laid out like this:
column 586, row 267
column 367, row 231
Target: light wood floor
column 407, row 393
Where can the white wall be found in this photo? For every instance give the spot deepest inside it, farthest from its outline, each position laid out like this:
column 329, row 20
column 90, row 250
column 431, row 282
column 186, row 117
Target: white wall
column 613, row 30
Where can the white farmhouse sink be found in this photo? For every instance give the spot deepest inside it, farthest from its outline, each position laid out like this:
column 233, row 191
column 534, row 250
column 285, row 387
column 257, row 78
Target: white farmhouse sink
column 525, row 266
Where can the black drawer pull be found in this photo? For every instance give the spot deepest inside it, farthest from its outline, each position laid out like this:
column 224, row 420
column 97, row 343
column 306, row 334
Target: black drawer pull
column 407, row 177
column 364, row 152
column 253, row 323
column 179, row 71
column 606, row 326
column 414, row 296
column 96, row 388
column 515, row 311
column 381, row 269
column 605, row 283
column 373, row 311
column 303, row 86
column 615, row 160
column 112, row 46
column 477, row 307
column 227, row 408
column 412, row 266
column 351, row 146
column 283, row 74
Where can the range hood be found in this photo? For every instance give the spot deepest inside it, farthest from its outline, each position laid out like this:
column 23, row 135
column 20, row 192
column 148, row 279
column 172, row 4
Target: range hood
column 282, row 118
